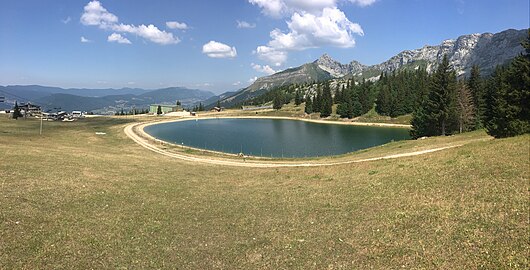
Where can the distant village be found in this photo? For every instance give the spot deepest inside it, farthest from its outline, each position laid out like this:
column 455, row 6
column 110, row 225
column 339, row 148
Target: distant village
column 26, row 110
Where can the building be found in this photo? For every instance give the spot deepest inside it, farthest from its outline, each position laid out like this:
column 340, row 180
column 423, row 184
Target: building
column 29, row 109
column 153, row 108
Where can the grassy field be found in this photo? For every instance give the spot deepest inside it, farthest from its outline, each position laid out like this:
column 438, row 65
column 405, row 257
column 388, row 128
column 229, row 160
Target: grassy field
column 73, row 199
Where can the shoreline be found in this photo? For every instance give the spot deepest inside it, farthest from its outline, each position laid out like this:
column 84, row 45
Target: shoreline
column 254, row 163
column 135, row 131
column 143, row 133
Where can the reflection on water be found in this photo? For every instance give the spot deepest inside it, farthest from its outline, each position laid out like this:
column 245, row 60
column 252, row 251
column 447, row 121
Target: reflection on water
column 274, row 137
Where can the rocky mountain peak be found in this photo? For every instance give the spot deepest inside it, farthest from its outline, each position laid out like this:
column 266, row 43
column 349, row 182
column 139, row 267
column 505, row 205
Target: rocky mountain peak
column 337, row 69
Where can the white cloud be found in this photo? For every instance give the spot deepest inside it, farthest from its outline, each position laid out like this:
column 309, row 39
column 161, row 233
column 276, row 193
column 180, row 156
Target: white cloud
column 96, row 15
column 281, row 8
column 271, row 55
column 244, row 24
column 263, row 69
column 67, row 20
column 252, row 80
column 177, row 25
column 363, row 3
column 273, row 8
column 85, row 40
column 115, row 37
column 330, row 27
column 236, row 83
column 216, row 49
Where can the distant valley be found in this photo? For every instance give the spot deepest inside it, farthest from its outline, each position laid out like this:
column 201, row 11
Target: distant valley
column 101, row 101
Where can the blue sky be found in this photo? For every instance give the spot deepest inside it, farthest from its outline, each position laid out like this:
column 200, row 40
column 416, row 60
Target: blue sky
column 222, row 45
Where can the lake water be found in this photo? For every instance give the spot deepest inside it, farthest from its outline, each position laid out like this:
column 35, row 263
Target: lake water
column 274, row 137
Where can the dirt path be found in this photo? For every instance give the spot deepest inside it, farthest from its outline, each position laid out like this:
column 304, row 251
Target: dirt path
column 131, row 131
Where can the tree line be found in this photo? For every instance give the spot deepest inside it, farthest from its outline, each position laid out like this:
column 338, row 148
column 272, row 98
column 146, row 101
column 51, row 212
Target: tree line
column 500, row 103
column 440, row 104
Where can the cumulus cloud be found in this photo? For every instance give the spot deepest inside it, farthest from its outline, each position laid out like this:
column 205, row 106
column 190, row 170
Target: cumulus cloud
column 216, row 49
column 271, row 55
column 252, row 80
column 244, row 24
column 96, row 15
column 273, row 8
column 85, row 40
column 312, row 24
column 115, row 37
column 263, row 69
column 281, row 8
column 177, row 25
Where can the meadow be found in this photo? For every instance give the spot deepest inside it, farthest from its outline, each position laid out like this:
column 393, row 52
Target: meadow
column 71, row 198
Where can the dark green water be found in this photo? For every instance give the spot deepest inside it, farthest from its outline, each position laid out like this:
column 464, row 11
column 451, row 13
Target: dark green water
column 273, row 137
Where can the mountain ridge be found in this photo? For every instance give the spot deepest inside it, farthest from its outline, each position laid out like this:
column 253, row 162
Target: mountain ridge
column 114, row 100
column 486, row 50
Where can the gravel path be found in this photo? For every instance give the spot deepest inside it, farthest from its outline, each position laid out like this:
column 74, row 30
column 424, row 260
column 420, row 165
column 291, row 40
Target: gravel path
column 136, row 133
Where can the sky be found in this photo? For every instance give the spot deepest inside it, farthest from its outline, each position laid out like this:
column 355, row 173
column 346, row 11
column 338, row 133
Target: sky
column 222, row 45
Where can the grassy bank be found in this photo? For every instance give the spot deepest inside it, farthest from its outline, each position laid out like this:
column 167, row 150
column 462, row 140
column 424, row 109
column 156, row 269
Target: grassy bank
column 74, row 199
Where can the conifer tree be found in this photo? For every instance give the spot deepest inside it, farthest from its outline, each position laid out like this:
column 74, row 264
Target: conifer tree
column 326, row 102
column 277, row 102
column 507, row 97
column 297, row 98
column 159, row 110
column 476, row 87
column 16, row 111
column 438, row 114
column 317, row 101
column 308, row 105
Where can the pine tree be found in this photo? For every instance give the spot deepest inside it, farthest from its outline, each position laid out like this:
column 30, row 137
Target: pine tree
column 159, row 110
column 345, row 108
column 466, row 108
column 507, row 98
column 317, row 101
column 277, row 102
column 438, row 114
column 308, row 105
column 16, row 111
column 327, row 101
column 476, row 87
column 297, row 98
column 178, row 103
column 384, row 100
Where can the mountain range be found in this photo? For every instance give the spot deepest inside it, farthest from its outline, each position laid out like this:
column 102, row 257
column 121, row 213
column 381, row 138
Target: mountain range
column 102, row 101
column 485, row 50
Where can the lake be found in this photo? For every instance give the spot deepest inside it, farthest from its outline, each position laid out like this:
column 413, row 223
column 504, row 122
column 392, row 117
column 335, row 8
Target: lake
column 274, row 137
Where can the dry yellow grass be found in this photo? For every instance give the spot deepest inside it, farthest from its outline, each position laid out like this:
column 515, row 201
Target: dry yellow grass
column 74, row 199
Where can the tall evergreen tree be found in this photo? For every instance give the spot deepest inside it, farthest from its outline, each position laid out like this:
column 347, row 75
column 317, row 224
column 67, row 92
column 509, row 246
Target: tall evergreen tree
column 507, row 97
column 159, row 110
column 308, row 105
column 476, row 86
column 317, row 101
column 327, row 101
column 16, row 111
column 438, row 114
column 297, row 98
column 277, row 102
